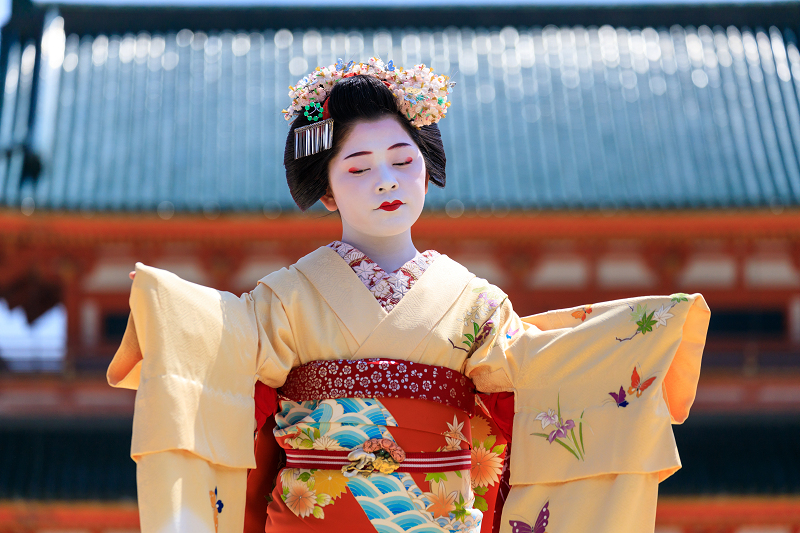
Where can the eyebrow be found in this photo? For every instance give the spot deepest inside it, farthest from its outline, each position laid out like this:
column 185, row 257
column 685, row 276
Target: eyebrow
column 392, row 147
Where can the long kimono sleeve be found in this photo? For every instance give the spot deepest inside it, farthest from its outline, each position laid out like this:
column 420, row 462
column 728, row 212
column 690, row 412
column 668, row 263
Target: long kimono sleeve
column 193, row 354
column 596, row 391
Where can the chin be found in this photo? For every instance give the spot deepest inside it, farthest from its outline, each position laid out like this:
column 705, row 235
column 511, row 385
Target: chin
column 389, row 226
column 388, row 231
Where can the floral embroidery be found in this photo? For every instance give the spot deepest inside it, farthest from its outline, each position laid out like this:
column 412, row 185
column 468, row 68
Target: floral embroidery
column 645, row 319
column 564, row 429
column 520, row 526
column 388, row 288
column 487, row 466
column 480, row 428
column 299, row 494
column 474, row 341
column 324, row 442
column 300, row 499
column 547, row 418
column 378, row 378
column 486, row 462
column 477, row 316
column 330, row 482
column 487, row 301
column 217, row 505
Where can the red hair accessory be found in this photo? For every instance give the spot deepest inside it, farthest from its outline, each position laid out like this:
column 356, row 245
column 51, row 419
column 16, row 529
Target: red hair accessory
column 325, row 113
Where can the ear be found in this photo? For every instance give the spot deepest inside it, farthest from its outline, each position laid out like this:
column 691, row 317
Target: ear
column 427, row 180
column 330, row 202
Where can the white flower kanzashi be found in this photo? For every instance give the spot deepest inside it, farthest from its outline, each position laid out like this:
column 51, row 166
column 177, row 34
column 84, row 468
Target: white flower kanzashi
column 661, row 316
column 550, row 417
column 421, row 95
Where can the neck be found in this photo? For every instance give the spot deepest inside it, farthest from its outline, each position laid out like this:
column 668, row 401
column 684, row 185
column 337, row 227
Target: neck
column 389, row 252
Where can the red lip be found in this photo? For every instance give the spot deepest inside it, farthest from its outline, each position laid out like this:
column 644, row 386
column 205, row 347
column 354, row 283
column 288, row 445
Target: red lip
column 386, row 206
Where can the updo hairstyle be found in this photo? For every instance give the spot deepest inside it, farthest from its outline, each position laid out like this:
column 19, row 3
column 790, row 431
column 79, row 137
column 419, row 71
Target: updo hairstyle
column 352, row 100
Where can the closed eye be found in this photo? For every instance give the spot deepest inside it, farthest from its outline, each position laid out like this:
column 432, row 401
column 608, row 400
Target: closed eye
column 404, row 163
column 357, row 171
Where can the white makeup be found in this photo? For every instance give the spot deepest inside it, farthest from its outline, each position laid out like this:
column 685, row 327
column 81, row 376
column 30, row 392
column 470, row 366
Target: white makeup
column 378, row 164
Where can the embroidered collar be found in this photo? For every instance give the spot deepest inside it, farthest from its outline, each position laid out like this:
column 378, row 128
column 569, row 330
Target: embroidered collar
column 387, row 288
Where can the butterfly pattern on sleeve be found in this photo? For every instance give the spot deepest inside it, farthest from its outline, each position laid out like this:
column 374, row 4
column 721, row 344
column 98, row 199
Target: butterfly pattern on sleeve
column 637, row 385
column 637, row 388
column 582, row 312
column 620, row 397
column 519, row 526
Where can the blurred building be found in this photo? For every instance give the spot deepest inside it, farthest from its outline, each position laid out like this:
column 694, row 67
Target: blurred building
column 593, row 154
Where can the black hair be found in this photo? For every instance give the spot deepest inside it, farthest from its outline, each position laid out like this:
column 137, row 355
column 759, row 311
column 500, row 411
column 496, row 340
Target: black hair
column 355, row 99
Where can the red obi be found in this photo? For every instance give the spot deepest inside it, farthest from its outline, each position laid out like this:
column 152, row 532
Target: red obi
column 379, row 378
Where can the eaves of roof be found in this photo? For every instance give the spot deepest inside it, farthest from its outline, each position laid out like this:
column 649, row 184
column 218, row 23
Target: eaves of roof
column 529, row 226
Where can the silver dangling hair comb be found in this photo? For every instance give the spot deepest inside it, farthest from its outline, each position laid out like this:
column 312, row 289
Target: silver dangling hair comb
column 313, row 138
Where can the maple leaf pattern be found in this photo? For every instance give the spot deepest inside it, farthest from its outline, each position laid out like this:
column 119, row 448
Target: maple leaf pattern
column 662, row 315
column 442, row 503
column 646, row 323
column 645, row 319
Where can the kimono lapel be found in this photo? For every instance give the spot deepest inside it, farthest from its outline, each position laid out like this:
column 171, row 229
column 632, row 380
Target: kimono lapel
column 418, row 312
column 341, row 289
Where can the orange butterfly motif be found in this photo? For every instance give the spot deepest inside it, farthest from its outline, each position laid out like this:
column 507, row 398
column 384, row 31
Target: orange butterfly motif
column 637, row 385
column 582, row 312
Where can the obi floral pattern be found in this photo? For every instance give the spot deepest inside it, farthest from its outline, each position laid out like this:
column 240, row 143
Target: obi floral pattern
column 393, row 502
column 379, row 378
column 388, row 288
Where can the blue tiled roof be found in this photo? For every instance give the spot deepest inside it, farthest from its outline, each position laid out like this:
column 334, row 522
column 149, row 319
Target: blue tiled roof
column 542, row 118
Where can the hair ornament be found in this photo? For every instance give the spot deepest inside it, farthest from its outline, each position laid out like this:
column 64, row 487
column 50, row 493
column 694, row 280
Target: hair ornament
column 421, row 95
column 313, row 111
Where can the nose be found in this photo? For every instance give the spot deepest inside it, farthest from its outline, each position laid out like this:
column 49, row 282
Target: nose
column 386, row 180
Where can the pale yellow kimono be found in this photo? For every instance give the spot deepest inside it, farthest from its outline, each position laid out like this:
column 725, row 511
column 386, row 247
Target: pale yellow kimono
column 195, row 353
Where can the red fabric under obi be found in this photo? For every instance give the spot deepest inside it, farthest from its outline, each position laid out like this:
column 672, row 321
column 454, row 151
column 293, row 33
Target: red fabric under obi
column 379, row 378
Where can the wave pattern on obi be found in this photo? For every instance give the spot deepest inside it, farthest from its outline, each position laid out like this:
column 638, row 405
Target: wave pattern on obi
column 451, row 501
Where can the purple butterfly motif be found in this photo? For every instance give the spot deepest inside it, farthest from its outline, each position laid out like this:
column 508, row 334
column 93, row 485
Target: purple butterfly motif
column 518, row 526
column 620, row 398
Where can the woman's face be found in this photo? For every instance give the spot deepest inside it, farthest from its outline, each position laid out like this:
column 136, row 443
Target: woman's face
column 378, row 180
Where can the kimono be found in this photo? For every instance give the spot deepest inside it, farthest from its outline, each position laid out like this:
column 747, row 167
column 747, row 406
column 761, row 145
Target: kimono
column 595, row 391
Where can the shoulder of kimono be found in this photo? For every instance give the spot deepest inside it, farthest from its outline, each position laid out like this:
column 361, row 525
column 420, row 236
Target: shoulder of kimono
column 480, row 287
